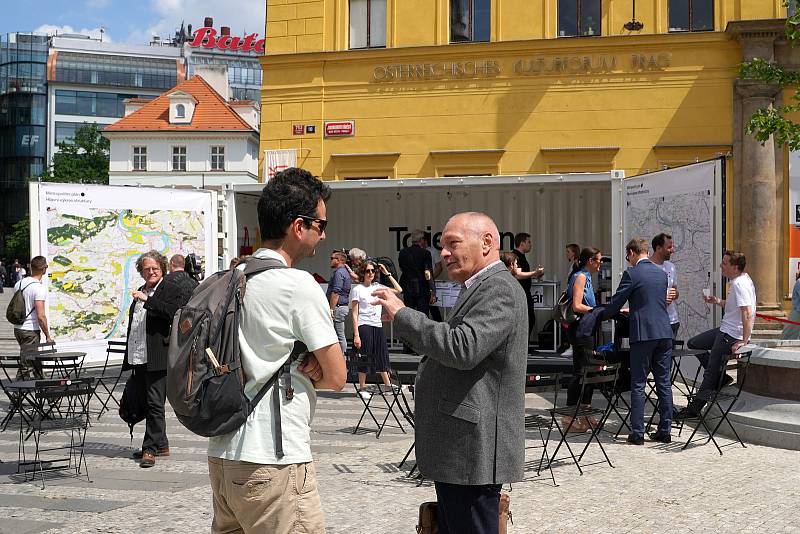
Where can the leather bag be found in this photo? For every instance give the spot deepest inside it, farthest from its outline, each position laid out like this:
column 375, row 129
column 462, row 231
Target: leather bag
column 564, row 312
column 428, row 514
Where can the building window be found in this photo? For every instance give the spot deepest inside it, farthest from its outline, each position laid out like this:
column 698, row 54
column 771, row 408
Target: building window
column 140, row 158
column 578, row 18
column 470, row 21
column 217, row 158
column 367, row 23
column 180, row 111
column 179, row 158
column 691, row 15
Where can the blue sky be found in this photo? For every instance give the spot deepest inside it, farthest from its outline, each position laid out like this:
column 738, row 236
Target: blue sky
column 132, row 21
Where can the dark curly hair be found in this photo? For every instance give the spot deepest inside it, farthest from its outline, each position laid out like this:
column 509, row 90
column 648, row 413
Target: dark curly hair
column 361, row 270
column 289, row 193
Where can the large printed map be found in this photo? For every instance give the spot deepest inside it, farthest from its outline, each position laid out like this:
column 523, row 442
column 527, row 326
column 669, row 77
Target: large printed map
column 93, row 264
column 688, row 218
column 680, row 202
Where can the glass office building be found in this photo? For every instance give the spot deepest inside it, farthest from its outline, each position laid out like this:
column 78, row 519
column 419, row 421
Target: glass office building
column 23, row 120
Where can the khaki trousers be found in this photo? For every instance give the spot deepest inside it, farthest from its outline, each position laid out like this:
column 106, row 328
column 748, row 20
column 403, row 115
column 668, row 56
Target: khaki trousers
column 258, row 498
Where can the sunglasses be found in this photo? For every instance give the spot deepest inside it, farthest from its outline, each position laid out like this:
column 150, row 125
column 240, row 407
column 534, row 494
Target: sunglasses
column 369, row 270
column 323, row 223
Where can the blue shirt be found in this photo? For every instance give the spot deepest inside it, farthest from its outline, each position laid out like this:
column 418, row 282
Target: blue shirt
column 796, row 296
column 340, row 284
column 588, row 290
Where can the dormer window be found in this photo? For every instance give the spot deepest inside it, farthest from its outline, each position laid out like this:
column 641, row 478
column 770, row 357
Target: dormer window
column 181, row 107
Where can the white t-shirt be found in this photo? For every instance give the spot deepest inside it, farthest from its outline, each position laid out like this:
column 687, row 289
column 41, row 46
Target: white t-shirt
column 672, row 281
column 368, row 314
column 741, row 293
column 33, row 291
column 280, row 306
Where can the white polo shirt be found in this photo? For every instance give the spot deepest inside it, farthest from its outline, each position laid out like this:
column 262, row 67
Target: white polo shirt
column 280, row 306
column 742, row 293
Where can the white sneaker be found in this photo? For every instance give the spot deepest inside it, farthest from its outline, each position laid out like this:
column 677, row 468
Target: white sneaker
column 365, row 394
column 567, row 352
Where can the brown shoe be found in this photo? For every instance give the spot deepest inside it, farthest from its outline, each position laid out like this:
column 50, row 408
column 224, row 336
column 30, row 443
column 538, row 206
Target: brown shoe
column 148, row 460
column 137, row 455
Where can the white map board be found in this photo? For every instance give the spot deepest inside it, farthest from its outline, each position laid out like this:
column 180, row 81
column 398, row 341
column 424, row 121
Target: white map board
column 685, row 203
column 92, row 236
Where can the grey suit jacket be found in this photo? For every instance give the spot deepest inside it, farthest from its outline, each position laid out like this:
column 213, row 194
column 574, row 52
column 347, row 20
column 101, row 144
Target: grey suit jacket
column 470, row 391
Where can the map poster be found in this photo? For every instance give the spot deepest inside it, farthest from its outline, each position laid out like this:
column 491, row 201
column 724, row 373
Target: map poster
column 682, row 202
column 92, row 236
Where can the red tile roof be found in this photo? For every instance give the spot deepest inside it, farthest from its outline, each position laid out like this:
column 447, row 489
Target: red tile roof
column 211, row 113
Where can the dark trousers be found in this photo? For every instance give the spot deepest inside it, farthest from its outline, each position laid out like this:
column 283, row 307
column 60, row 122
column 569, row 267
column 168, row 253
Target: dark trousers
column 675, row 328
column 420, row 302
column 718, row 344
column 581, row 350
column 436, row 314
column 468, row 509
column 531, row 315
column 656, row 356
column 155, row 430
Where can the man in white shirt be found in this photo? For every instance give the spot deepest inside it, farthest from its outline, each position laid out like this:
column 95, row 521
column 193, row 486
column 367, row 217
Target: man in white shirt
column 734, row 331
column 29, row 333
column 663, row 249
column 255, row 489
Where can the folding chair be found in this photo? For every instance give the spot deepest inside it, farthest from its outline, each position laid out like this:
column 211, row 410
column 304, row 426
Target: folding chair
column 361, row 363
column 728, row 394
column 12, row 366
column 543, row 383
column 109, row 377
column 72, row 417
column 601, row 376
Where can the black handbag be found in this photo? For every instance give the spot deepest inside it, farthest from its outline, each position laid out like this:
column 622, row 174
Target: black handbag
column 564, row 312
column 133, row 406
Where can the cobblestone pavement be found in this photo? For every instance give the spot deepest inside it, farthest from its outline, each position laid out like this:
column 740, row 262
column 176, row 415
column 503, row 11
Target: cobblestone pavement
column 655, row 488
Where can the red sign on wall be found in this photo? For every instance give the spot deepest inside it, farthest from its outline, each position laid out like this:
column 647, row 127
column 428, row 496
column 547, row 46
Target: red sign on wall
column 298, row 129
column 207, row 38
column 340, row 128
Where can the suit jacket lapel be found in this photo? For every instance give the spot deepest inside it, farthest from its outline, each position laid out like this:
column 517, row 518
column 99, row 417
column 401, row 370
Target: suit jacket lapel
column 466, row 293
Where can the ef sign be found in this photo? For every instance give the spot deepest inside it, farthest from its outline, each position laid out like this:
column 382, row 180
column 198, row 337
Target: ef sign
column 207, row 38
column 340, row 128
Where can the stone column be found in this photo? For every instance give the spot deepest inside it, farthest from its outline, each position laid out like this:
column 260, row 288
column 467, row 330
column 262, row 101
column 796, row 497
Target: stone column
column 759, row 232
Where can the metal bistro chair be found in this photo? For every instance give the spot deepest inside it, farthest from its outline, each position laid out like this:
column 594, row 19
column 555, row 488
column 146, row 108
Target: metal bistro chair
column 360, row 363
column 18, row 399
column 109, row 377
column 723, row 394
column 543, row 382
column 72, row 396
column 601, row 376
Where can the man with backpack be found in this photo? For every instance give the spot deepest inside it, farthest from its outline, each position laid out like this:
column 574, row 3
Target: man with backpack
column 262, row 474
column 29, row 332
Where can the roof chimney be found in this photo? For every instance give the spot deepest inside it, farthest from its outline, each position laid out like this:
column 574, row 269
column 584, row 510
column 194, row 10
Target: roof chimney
column 225, row 30
column 217, row 78
column 208, row 22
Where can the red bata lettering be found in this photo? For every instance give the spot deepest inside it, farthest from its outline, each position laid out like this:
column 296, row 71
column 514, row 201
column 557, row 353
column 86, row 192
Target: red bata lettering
column 207, row 38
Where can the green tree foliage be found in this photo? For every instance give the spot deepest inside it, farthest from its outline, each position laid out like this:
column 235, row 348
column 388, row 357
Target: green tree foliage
column 773, row 121
column 18, row 240
column 83, row 161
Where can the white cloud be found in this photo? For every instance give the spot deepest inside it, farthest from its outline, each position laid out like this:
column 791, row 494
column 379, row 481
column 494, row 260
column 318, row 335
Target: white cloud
column 52, row 29
column 244, row 16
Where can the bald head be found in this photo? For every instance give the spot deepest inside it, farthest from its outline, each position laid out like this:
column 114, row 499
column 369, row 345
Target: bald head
column 470, row 242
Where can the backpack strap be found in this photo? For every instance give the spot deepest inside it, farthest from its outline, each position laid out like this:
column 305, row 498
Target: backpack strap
column 22, row 294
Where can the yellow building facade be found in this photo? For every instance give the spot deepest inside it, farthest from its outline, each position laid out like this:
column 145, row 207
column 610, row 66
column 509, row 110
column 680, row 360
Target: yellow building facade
column 531, row 99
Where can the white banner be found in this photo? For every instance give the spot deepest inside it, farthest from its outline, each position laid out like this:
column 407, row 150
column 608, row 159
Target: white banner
column 92, row 236
column 278, row 160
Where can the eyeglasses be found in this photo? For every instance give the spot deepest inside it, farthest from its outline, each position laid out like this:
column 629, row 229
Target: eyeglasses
column 323, row 223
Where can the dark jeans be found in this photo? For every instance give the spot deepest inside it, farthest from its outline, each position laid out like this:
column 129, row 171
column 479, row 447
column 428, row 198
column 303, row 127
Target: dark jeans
column 656, row 356
column 28, row 339
column 155, row 430
column 531, row 315
column 468, row 509
column 719, row 344
column 581, row 350
column 419, row 302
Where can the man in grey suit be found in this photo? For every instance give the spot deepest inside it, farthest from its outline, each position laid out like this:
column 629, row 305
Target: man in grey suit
column 644, row 287
column 470, row 388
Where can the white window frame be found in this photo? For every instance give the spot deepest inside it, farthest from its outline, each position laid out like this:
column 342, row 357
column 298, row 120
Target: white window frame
column 375, row 37
column 177, row 148
column 138, row 158
column 180, row 111
column 217, row 157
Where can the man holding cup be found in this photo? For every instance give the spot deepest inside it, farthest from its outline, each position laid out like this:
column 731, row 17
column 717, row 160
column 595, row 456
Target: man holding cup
column 733, row 333
column 663, row 249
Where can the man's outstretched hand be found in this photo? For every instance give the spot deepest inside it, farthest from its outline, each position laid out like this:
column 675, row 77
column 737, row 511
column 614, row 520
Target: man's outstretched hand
column 389, row 300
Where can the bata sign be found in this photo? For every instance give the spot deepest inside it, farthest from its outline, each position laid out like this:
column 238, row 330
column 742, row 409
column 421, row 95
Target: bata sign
column 208, row 38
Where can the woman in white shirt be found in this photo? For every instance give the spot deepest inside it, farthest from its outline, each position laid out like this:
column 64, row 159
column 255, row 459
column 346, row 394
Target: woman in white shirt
column 367, row 324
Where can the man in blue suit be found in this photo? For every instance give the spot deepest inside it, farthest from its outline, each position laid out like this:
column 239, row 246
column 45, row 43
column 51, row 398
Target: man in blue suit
column 644, row 287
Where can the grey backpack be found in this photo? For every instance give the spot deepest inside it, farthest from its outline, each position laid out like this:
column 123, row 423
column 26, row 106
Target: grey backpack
column 205, row 378
column 15, row 313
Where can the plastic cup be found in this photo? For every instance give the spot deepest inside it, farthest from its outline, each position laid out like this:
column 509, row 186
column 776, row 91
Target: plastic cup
column 706, row 292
